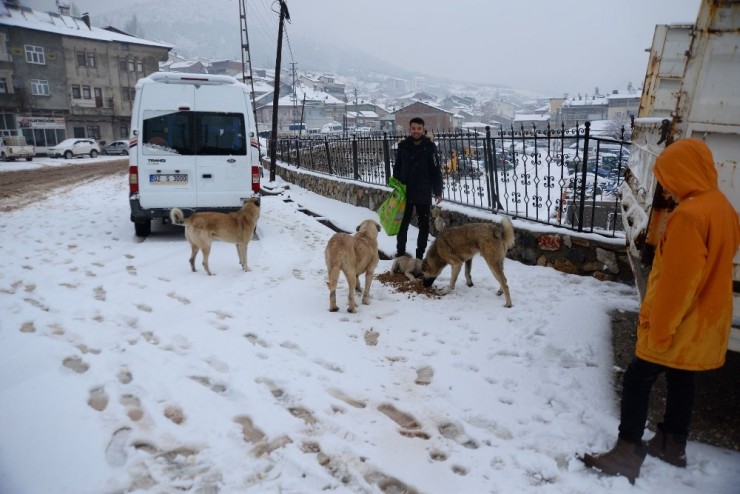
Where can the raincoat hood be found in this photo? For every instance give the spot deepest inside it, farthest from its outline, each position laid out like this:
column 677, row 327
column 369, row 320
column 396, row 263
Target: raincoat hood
column 686, row 168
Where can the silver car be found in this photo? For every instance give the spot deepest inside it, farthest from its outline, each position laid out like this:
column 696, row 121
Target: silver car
column 69, row 148
column 116, row 147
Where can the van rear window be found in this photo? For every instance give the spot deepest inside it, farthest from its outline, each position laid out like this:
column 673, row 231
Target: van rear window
column 193, row 133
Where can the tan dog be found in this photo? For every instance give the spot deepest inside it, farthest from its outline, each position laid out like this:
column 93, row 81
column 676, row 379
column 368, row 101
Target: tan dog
column 458, row 245
column 409, row 266
column 236, row 227
column 352, row 255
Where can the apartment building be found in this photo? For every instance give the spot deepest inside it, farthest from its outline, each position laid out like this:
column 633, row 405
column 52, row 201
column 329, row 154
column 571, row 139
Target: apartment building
column 60, row 77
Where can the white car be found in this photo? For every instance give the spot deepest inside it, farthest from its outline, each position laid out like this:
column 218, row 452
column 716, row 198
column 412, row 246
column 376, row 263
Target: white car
column 69, row 148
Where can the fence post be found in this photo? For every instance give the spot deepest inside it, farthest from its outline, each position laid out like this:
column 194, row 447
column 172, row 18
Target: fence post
column 328, row 155
column 355, row 164
column 387, row 157
column 584, row 173
column 298, row 152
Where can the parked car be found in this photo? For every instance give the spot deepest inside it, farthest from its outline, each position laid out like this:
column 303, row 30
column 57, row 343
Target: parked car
column 116, row 147
column 69, row 148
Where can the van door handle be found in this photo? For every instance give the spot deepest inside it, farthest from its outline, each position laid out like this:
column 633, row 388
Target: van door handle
column 207, row 175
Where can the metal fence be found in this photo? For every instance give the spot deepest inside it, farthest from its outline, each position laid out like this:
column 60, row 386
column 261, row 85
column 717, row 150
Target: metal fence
column 563, row 177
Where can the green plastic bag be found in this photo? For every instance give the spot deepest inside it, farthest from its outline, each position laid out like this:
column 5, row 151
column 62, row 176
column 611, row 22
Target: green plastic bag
column 392, row 209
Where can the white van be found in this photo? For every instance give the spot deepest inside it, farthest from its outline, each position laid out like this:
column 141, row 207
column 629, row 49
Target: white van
column 190, row 147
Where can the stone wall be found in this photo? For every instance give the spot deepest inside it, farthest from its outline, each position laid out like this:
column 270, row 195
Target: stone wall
column 561, row 249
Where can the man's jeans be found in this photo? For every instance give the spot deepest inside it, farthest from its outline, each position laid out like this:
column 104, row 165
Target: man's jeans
column 422, row 216
column 636, row 386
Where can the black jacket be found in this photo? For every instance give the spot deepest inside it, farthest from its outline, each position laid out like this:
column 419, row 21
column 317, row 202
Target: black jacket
column 417, row 166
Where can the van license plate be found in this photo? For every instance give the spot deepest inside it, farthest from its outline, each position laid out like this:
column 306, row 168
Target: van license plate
column 169, row 178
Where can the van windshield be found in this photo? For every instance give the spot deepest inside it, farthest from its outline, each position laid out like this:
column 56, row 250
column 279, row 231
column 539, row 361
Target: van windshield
column 193, row 133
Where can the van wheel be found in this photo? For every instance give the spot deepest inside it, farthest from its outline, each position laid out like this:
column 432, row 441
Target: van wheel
column 67, row 155
column 93, row 154
column 124, row 152
column 29, row 159
column 143, row 228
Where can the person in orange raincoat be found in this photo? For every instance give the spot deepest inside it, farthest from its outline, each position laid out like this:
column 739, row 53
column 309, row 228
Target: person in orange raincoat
column 686, row 315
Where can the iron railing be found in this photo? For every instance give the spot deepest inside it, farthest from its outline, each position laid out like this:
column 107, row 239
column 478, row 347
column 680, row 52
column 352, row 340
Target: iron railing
column 563, row 177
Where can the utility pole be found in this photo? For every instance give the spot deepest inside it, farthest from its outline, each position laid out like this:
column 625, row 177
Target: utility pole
column 247, row 69
column 276, row 93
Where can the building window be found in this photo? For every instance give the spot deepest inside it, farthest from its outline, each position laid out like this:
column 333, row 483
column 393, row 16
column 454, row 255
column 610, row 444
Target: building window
column 139, row 66
column 86, row 92
column 128, row 93
column 90, row 59
column 35, row 54
column 93, row 132
column 76, row 94
column 122, row 64
column 39, row 87
column 80, row 58
column 123, row 131
column 98, row 97
column 131, row 66
column 3, row 85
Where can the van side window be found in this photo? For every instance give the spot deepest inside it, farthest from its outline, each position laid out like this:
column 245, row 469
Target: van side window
column 193, row 133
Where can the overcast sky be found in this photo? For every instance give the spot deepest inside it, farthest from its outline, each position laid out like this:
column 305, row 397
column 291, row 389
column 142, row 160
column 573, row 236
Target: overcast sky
column 550, row 46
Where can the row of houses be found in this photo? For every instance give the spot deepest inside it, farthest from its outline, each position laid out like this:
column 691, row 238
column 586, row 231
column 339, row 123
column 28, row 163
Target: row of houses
column 62, row 77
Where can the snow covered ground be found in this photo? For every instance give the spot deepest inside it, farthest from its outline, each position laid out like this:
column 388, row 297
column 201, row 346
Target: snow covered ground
column 123, row 371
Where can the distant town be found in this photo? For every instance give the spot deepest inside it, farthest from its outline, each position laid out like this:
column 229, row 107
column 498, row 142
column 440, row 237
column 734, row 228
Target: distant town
column 62, row 77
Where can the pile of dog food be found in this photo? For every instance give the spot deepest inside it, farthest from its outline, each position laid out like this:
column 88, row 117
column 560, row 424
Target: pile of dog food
column 401, row 284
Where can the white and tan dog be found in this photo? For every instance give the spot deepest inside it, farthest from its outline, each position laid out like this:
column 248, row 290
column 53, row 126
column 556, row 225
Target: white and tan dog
column 409, row 266
column 236, row 227
column 352, row 255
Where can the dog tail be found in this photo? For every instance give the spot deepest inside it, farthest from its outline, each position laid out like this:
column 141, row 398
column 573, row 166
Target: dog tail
column 508, row 230
column 177, row 217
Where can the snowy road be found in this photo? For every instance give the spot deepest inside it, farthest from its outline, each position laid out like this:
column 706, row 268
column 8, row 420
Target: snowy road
column 123, row 371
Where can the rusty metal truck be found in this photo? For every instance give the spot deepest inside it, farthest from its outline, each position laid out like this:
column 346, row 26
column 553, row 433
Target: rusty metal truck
column 691, row 89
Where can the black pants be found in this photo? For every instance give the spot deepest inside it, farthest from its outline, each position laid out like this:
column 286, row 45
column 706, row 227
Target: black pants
column 422, row 216
column 636, row 386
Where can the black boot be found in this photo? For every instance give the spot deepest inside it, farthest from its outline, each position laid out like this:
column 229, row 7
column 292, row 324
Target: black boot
column 623, row 459
column 671, row 448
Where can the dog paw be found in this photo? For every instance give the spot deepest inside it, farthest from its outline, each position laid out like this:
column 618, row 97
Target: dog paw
column 333, row 309
column 445, row 291
column 500, row 292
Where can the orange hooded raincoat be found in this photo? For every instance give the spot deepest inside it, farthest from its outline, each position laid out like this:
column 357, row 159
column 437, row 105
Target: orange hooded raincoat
column 686, row 314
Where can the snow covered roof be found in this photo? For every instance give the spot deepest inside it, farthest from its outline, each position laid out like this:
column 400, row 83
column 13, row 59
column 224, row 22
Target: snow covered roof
column 362, row 114
column 67, row 25
column 531, row 117
column 586, row 101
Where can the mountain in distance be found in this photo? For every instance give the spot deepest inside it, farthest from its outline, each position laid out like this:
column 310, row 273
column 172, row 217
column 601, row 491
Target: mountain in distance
column 218, row 36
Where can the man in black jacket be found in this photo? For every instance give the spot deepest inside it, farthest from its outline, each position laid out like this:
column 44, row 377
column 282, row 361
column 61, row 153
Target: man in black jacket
column 417, row 166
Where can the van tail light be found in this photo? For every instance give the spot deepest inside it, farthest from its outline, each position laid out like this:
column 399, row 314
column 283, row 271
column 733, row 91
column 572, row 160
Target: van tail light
column 256, row 179
column 133, row 179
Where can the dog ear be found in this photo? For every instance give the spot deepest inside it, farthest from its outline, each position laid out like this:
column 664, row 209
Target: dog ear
column 357, row 228
column 377, row 226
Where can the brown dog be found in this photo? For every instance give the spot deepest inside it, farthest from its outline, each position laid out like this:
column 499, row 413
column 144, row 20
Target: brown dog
column 352, row 255
column 236, row 227
column 409, row 266
column 458, row 245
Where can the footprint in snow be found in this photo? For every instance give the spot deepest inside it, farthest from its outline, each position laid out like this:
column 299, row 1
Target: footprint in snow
column 115, row 452
column 98, row 399
column 76, row 364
